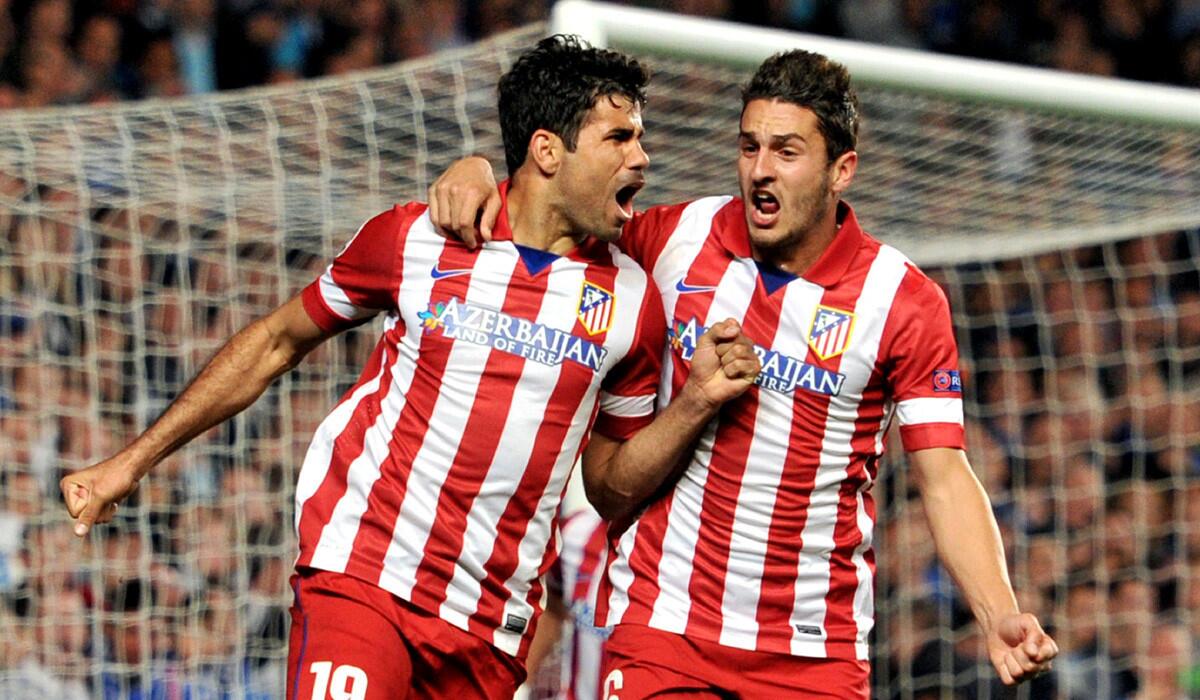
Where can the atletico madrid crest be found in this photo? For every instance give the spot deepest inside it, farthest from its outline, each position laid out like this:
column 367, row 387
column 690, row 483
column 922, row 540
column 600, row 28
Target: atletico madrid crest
column 830, row 334
column 595, row 308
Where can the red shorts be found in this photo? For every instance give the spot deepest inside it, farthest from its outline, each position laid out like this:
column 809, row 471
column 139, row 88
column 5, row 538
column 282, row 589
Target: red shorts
column 351, row 640
column 641, row 662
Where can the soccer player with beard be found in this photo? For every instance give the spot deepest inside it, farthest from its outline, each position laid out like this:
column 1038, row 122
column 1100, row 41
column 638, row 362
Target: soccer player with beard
column 428, row 500
column 753, row 574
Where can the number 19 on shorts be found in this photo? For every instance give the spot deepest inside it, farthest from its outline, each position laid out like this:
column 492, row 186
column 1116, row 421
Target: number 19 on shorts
column 344, row 682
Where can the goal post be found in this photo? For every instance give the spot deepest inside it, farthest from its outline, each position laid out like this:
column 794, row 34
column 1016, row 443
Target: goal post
column 656, row 33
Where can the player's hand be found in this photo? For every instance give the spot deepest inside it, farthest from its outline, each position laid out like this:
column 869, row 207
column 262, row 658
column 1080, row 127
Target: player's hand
column 724, row 364
column 92, row 494
column 464, row 202
column 1019, row 648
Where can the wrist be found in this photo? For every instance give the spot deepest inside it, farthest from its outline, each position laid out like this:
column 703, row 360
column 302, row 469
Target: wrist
column 988, row 616
column 694, row 399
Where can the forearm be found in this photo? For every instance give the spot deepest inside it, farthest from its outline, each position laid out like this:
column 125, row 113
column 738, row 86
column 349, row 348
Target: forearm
column 641, row 464
column 968, row 543
column 232, row 380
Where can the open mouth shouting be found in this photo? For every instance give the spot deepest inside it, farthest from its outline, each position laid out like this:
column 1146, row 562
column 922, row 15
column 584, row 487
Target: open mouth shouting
column 625, row 197
column 764, row 209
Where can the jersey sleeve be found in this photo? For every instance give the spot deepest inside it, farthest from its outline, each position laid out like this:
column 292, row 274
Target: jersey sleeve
column 364, row 278
column 628, row 392
column 922, row 366
column 647, row 233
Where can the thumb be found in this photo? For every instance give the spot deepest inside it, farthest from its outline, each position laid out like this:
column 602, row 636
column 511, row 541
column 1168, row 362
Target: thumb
column 491, row 212
column 87, row 518
column 725, row 330
column 1031, row 634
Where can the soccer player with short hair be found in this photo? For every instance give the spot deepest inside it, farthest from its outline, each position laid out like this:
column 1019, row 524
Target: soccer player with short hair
column 754, row 574
column 427, row 502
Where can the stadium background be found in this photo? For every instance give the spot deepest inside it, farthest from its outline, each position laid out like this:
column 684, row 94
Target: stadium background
column 1082, row 364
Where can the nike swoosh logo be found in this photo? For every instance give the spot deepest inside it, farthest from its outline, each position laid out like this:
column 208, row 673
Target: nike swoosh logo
column 438, row 274
column 685, row 288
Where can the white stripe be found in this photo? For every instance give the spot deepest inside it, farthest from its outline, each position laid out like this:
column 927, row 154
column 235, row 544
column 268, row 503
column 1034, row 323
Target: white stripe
column 337, row 539
column 626, row 406
column 674, row 601
column 812, row 575
column 760, row 483
column 433, row 460
column 683, row 245
column 630, row 285
column 826, row 342
column 318, row 460
column 337, row 300
column 532, row 549
column 930, row 410
column 621, row 576
column 864, row 595
column 733, row 296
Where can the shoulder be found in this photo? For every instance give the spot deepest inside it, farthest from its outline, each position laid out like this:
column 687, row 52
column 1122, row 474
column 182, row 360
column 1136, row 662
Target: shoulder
column 630, row 273
column 664, row 219
column 402, row 218
column 918, row 288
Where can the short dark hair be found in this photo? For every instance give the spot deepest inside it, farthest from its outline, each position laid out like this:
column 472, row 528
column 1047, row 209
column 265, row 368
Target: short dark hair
column 555, row 84
column 812, row 81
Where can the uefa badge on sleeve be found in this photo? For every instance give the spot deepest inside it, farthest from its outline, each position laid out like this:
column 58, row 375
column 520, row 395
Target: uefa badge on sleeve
column 595, row 308
column 947, row 380
column 830, row 334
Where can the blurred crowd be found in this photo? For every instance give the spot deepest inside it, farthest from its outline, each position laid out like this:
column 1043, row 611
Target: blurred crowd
column 185, row 595
column 55, row 52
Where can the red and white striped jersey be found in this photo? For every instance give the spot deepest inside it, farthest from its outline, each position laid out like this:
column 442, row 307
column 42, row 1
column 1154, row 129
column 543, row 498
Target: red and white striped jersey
column 576, row 577
column 439, row 474
column 765, row 542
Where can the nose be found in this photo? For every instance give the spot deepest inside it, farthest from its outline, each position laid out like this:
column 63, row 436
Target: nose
column 762, row 170
column 637, row 158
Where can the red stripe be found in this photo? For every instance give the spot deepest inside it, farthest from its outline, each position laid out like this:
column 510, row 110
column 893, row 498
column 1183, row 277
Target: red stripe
column 573, row 384
column 476, row 451
column 645, row 236
column 318, row 309
column 810, row 411
column 593, row 549
column 922, row 436
column 347, row 446
column 645, row 557
column 726, row 470
column 375, row 528
column 840, row 625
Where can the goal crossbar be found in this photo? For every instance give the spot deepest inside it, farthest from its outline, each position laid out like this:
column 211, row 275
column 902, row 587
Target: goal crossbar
column 636, row 29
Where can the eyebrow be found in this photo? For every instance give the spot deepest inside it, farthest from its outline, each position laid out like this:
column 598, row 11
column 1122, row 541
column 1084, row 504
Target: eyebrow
column 624, row 131
column 775, row 138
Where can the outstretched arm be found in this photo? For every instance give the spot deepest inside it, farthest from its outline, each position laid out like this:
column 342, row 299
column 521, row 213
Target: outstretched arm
column 968, row 544
column 464, row 202
column 620, row 475
column 235, row 377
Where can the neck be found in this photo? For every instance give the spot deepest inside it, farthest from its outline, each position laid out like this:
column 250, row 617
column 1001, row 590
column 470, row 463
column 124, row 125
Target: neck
column 536, row 220
column 800, row 255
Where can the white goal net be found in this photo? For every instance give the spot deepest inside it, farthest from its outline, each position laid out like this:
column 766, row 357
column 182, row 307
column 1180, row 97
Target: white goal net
column 134, row 239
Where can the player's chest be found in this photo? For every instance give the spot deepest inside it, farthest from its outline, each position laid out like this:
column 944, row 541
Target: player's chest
column 817, row 345
column 564, row 315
